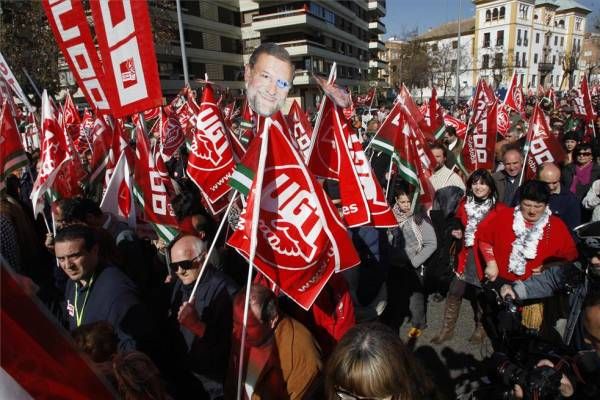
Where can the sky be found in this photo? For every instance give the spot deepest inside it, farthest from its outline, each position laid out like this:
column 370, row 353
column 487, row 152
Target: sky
column 405, row 15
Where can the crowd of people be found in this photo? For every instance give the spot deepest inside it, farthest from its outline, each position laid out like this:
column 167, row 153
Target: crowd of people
column 127, row 300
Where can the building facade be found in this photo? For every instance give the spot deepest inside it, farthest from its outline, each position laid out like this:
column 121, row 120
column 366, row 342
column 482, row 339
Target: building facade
column 540, row 40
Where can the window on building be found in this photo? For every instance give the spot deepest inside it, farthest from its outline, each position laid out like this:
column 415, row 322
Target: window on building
column 498, row 61
column 578, row 22
column 495, row 14
column 486, row 39
column 561, row 23
column 556, row 40
column 517, row 60
column 523, row 11
column 535, row 58
column 557, row 81
column 195, row 38
column 500, row 38
column 553, row 59
column 488, row 16
column 521, row 79
column 197, row 70
column 455, row 44
column 519, row 41
column 191, row 7
column 524, row 61
column 548, row 36
column 562, row 41
column 502, row 12
column 434, row 47
column 537, row 38
column 533, row 80
column 485, row 61
column 229, row 17
column 525, row 39
column 230, row 45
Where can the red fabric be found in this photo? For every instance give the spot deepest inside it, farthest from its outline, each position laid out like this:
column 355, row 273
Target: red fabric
column 461, row 214
column 556, row 244
column 333, row 313
column 487, row 251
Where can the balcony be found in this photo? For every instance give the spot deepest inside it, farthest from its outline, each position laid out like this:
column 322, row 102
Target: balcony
column 280, row 19
column 377, row 27
column 379, row 64
column 545, row 67
column 377, row 45
column 298, row 48
column 378, row 7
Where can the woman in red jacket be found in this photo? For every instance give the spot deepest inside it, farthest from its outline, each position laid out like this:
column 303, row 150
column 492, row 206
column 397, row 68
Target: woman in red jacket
column 479, row 202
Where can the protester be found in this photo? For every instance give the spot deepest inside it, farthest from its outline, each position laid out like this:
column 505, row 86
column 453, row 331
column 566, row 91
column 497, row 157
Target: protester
column 579, row 176
column 413, row 242
column 138, row 378
column 454, row 145
column 443, row 176
column 480, row 202
column 281, row 357
column 199, row 325
column 508, row 180
column 372, row 362
column 563, row 203
column 98, row 291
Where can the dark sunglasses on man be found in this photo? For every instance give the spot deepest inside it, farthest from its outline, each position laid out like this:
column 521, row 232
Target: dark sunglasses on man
column 187, row 264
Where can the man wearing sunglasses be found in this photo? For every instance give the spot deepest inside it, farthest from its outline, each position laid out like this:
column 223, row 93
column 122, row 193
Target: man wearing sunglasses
column 200, row 326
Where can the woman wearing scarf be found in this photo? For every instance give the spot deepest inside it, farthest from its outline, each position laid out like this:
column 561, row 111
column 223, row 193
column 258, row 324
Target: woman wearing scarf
column 579, row 175
column 479, row 202
column 413, row 242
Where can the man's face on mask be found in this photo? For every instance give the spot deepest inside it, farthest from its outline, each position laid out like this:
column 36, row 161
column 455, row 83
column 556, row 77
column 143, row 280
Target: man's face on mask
column 268, row 82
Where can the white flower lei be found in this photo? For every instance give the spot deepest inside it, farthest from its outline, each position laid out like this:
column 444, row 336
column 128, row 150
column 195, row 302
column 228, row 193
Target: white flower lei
column 526, row 240
column 475, row 213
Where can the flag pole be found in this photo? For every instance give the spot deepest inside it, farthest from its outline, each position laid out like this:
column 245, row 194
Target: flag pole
column 332, row 73
column 253, row 237
column 387, row 186
column 527, row 147
column 182, row 43
column 212, row 246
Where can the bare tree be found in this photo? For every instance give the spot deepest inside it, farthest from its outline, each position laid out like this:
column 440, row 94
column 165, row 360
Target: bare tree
column 443, row 64
column 416, row 64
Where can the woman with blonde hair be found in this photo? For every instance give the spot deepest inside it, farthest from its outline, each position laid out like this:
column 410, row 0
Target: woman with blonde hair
column 371, row 362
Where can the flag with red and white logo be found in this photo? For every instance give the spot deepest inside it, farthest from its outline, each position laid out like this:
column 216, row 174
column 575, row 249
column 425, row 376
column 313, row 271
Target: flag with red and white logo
column 102, row 134
column 54, row 154
column 70, row 27
column 480, row 141
column 152, row 189
column 502, row 119
column 84, row 139
column 365, row 99
column 171, row 134
column 12, row 154
column 300, row 128
column 124, row 34
column 338, row 154
column 118, row 197
column 514, row 96
column 301, row 240
column 541, row 145
column 405, row 99
column 9, row 77
column 459, row 126
column 434, row 116
column 118, row 145
column 210, row 160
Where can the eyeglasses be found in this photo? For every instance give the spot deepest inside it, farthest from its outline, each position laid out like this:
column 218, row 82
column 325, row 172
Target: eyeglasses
column 585, row 153
column 185, row 264
column 345, row 395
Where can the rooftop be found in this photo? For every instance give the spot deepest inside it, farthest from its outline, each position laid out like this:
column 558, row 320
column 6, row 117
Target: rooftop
column 449, row 29
column 564, row 5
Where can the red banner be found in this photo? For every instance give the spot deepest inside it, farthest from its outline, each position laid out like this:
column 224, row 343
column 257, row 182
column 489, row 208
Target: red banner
column 72, row 33
column 461, row 127
column 514, row 96
column 301, row 240
column 541, row 145
column 126, row 45
column 478, row 150
column 300, row 128
column 210, row 162
column 502, row 119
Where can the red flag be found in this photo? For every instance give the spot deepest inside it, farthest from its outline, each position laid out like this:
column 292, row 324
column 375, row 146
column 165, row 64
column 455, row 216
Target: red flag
column 72, row 33
column 366, row 99
column 171, row 134
column 541, row 146
column 152, row 189
column 478, row 149
column 38, row 354
column 502, row 119
column 406, row 101
column 118, row 197
column 461, row 127
column 541, row 93
column 70, row 113
column 84, row 140
column 210, row 162
column 54, row 154
column 301, row 240
column 300, row 127
column 552, row 95
column 247, row 124
column 590, row 114
column 102, row 135
column 124, row 35
column 152, row 113
column 119, row 144
column 514, row 96
column 12, row 154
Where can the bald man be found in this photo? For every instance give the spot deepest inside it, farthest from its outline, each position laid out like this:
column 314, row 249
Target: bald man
column 201, row 326
column 563, row 203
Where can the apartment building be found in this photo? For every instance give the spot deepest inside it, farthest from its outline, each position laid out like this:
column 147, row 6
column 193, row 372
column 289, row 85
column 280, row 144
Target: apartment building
column 317, row 34
column 539, row 39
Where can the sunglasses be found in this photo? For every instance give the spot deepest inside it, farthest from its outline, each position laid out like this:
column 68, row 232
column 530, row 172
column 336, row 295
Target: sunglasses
column 185, row 264
column 584, row 154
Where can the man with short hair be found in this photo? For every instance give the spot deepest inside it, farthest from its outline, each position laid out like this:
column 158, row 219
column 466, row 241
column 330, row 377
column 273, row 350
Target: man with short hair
column 454, row 145
column 99, row 291
column 443, row 176
column 281, row 359
column 507, row 180
column 269, row 75
column 563, row 203
column 200, row 325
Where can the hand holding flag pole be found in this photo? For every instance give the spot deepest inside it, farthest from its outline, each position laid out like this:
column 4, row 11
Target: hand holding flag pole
column 330, row 80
